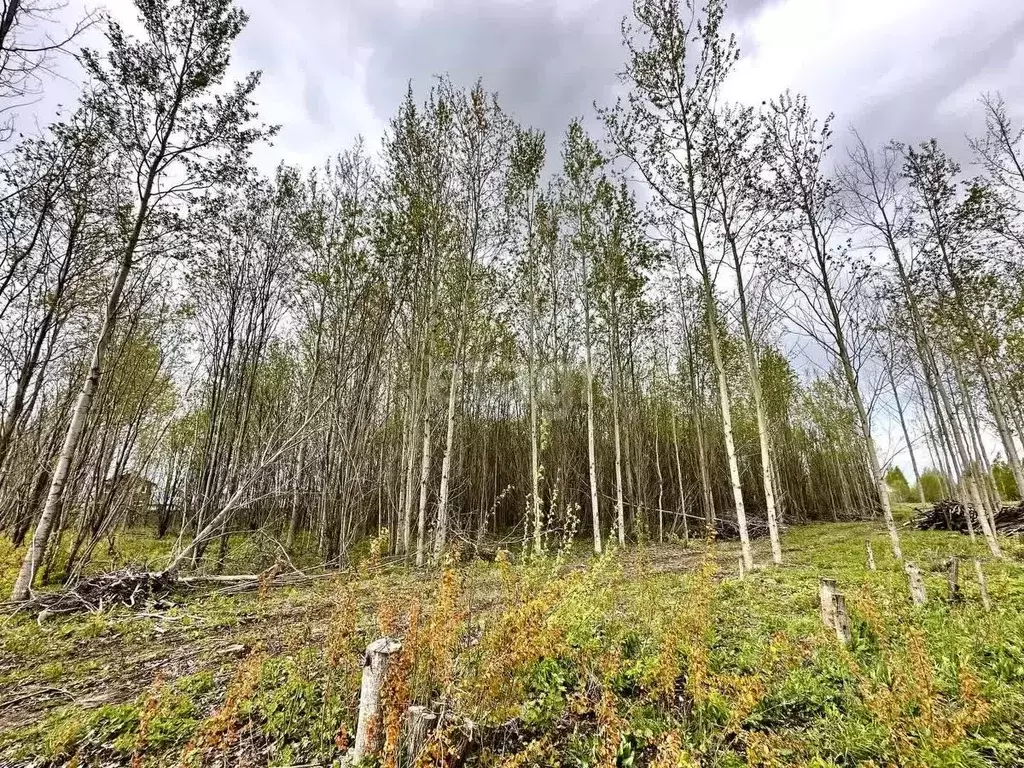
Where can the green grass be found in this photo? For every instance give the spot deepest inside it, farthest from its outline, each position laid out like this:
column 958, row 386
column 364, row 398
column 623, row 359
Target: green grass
column 659, row 656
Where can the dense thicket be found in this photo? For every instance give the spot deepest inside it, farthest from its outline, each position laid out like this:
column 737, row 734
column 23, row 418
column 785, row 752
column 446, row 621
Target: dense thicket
column 481, row 330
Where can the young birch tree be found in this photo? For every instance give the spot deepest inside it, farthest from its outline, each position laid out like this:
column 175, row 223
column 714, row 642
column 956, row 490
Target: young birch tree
column 828, row 280
column 527, row 160
column 581, row 160
column 734, row 160
column 161, row 100
column 678, row 61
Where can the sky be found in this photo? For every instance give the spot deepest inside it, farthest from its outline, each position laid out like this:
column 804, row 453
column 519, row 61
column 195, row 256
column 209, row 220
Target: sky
column 906, row 69
column 333, row 70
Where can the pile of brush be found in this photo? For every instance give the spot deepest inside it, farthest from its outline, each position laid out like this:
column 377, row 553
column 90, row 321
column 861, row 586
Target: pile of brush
column 949, row 515
column 946, row 515
column 130, row 587
column 730, row 529
column 1010, row 520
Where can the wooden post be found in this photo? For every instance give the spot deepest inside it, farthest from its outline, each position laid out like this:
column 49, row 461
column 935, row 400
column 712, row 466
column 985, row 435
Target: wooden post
column 953, row 576
column 742, row 569
column 368, row 728
column 871, row 556
column 917, row 592
column 421, row 722
column 842, row 619
column 983, row 585
column 826, row 598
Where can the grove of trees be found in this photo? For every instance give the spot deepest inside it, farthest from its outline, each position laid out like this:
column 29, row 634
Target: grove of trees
column 701, row 317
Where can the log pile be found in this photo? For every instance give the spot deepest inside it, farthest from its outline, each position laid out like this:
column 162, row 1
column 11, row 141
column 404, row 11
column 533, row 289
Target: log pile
column 729, row 530
column 1010, row 520
column 951, row 515
column 130, row 587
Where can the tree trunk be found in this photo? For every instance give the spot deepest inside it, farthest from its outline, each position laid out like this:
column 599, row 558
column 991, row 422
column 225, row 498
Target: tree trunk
column 441, row 533
column 679, row 476
column 369, row 731
column 421, row 519
column 762, row 421
column 37, row 547
column 906, row 436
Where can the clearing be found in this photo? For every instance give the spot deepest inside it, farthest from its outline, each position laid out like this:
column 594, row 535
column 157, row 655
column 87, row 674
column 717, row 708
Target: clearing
column 660, row 655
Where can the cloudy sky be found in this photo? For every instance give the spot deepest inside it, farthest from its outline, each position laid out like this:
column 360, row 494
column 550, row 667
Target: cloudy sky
column 894, row 68
column 907, row 69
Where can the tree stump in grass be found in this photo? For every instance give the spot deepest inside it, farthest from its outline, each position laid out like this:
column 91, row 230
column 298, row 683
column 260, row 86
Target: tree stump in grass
column 842, row 619
column 982, row 585
column 827, row 602
column 917, row 591
column 833, row 610
column 871, row 556
column 368, row 729
column 421, row 722
column 953, row 577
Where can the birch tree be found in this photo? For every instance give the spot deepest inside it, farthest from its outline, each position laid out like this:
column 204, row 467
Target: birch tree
column 828, row 280
column 675, row 71
column 161, row 100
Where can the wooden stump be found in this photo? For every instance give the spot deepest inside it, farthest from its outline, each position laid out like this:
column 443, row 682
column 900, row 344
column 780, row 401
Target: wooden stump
column 743, row 571
column 368, row 729
column 953, row 577
column 842, row 619
column 917, row 591
column 827, row 602
column 871, row 556
column 421, row 722
column 982, row 585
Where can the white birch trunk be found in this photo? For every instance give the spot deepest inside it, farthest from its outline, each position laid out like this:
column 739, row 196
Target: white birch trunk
column 421, row 519
column 730, row 445
column 441, row 534
column 620, row 514
column 595, row 510
column 767, row 479
column 679, row 477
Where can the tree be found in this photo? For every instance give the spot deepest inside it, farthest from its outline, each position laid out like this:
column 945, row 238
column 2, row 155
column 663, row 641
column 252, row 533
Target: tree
column 736, row 170
column 898, row 483
column 28, row 41
column 934, row 485
column 527, row 160
column 1004, row 480
column 877, row 205
column 580, row 161
column 828, row 280
column 948, row 230
column 675, row 71
column 160, row 102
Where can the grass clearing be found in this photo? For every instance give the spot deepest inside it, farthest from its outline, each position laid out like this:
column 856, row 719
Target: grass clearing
column 658, row 656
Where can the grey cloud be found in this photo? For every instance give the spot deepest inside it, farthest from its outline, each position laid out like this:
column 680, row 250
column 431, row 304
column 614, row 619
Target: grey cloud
column 912, row 113
column 545, row 66
column 314, row 99
column 548, row 60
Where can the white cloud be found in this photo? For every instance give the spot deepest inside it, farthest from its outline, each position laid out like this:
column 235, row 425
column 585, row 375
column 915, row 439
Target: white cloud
column 846, row 54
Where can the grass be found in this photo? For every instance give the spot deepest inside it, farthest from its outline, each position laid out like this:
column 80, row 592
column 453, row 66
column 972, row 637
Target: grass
column 658, row 656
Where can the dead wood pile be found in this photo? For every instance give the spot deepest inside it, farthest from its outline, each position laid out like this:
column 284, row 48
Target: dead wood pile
column 130, row 586
column 950, row 515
